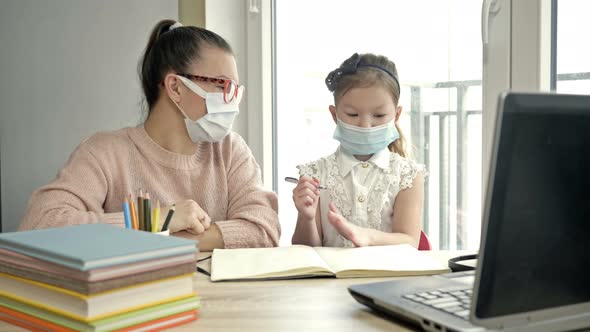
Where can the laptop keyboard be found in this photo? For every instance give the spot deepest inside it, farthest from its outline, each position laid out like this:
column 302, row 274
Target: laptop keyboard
column 456, row 302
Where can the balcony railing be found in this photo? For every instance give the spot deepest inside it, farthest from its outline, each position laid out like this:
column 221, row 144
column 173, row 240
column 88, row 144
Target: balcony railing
column 421, row 121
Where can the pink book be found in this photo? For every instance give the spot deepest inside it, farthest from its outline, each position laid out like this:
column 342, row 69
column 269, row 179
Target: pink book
column 15, row 259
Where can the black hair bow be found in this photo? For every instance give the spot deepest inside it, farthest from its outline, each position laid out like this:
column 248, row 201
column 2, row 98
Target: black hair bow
column 349, row 66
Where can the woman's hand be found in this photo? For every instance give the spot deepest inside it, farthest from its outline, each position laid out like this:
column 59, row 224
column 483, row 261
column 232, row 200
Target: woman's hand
column 306, row 196
column 359, row 236
column 189, row 216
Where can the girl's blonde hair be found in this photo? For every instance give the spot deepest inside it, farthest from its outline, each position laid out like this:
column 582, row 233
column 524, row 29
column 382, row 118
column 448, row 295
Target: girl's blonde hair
column 366, row 70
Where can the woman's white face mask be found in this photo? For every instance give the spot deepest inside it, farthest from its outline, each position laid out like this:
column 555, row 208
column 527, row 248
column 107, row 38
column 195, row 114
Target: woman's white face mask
column 218, row 121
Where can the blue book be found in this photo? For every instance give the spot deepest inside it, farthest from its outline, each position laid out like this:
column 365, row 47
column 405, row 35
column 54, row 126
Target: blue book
column 91, row 246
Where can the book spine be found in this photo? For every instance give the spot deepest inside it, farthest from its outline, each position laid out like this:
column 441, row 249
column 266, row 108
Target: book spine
column 46, row 256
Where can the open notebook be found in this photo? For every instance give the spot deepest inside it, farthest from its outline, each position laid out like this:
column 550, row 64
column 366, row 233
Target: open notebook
column 302, row 261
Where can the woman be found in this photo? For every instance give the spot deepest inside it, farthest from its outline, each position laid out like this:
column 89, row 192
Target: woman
column 184, row 154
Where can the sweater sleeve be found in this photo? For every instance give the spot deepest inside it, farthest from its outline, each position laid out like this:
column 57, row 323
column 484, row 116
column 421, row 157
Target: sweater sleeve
column 252, row 211
column 76, row 196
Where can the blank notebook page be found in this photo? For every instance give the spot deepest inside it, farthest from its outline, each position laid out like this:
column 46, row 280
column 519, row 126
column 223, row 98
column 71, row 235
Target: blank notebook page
column 243, row 263
column 401, row 257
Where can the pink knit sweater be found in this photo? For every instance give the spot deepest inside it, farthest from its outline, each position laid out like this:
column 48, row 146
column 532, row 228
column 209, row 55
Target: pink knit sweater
column 223, row 178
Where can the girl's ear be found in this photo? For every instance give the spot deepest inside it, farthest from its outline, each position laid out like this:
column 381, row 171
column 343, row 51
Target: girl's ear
column 398, row 112
column 172, row 87
column 333, row 112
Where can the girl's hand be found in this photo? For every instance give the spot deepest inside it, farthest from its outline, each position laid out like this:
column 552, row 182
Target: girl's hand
column 189, row 216
column 306, row 196
column 359, row 236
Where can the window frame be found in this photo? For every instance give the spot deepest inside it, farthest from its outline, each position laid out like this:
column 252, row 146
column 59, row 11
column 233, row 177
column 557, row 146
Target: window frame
column 517, row 56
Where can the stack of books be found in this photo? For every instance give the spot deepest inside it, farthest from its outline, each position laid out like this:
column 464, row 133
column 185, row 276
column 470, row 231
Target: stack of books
column 96, row 277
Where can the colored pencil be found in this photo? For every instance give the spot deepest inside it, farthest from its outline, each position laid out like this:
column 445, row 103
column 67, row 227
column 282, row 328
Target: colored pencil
column 134, row 222
column 156, row 218
column 126, row 214
column 140, row 211
column 147, row 214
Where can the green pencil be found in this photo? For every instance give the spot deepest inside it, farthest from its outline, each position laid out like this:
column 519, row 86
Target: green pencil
column 147, row 204
column 140, row 211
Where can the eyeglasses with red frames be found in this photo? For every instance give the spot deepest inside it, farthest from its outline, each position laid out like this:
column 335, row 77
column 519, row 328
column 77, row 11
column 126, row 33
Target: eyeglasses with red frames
column 230, row 87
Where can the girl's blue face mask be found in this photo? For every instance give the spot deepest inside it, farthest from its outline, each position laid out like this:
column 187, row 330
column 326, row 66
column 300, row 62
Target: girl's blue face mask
column 365, row 141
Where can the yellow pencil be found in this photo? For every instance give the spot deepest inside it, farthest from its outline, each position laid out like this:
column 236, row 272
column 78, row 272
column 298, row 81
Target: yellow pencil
column 156, row 218
column 134, row 221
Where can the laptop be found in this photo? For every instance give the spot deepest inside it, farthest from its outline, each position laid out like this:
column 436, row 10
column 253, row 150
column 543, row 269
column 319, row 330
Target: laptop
column 533, row 271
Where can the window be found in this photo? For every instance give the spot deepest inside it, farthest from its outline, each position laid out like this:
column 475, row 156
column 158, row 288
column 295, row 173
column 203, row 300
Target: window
column 436, row 46
column 573, row 67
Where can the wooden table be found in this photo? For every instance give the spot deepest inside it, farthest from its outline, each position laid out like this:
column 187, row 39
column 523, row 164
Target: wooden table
column 319, row 304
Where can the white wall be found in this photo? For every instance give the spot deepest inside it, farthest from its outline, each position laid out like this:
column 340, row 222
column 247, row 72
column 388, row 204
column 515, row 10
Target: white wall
column 227, row 18
column 246, row 25
column 68, row 70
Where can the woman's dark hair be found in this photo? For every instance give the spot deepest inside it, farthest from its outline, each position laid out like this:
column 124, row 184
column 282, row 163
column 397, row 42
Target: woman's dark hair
column 174, row 50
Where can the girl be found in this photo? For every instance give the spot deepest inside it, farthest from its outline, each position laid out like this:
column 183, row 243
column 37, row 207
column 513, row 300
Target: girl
column 184, row 154
column 373, row 193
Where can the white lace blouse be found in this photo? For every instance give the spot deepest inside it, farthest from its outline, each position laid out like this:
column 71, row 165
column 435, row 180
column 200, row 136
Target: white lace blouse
column 363, row 192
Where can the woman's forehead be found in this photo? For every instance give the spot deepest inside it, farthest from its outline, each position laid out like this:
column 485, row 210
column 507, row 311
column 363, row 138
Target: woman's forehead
column 215, row 62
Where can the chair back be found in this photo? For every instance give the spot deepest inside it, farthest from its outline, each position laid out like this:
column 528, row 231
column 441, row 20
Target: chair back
column 424, row 243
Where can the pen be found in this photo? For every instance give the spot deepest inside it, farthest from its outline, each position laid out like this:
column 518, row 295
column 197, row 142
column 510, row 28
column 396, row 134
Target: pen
column 294, row 180
column 167, row 222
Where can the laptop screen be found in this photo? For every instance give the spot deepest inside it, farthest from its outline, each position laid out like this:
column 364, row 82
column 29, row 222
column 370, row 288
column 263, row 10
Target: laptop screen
column 536, row 246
